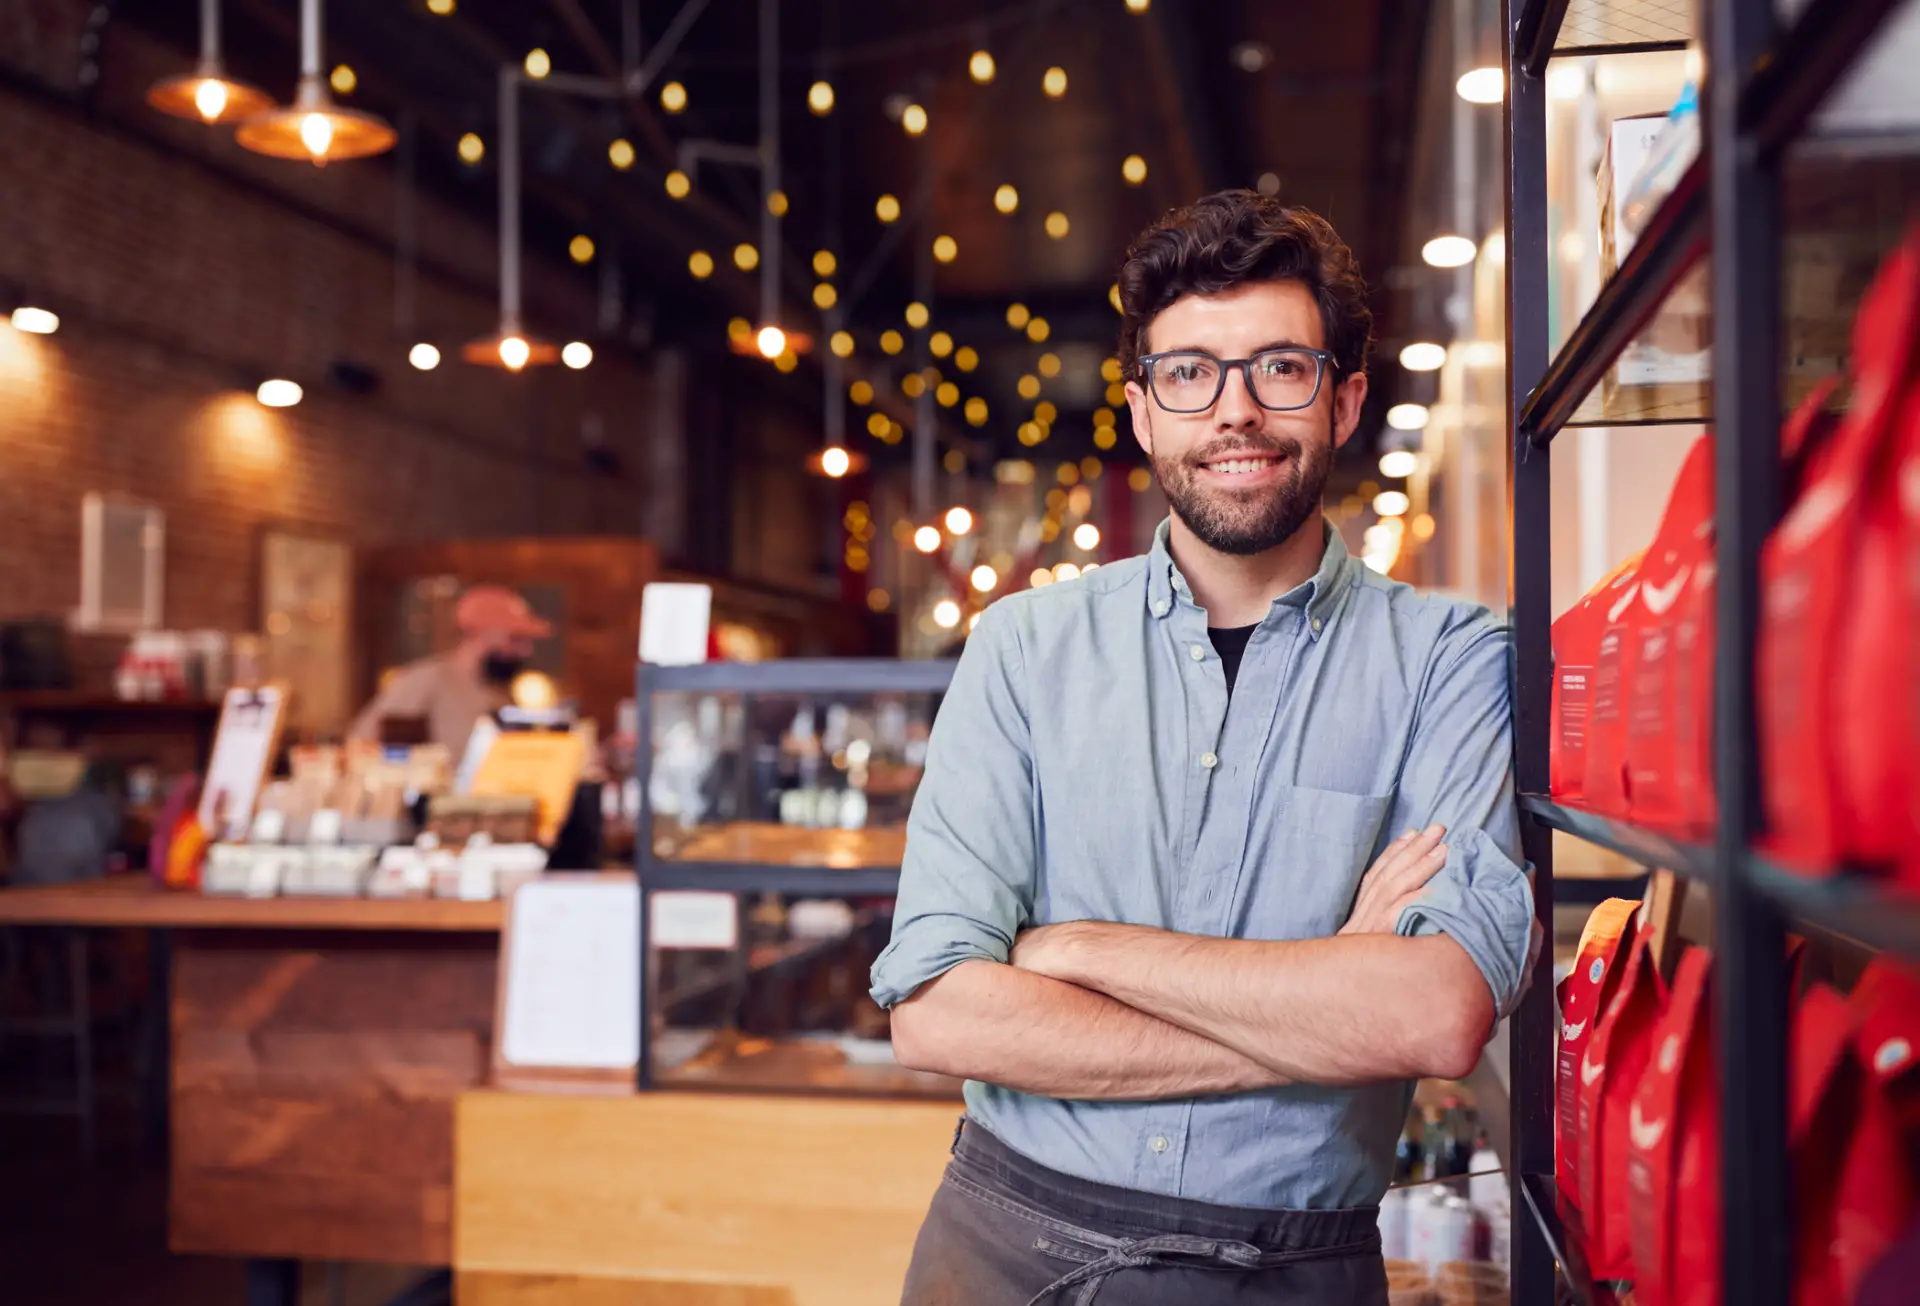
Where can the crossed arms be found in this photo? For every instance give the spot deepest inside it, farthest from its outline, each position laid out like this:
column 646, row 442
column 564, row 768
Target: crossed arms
column 1088, row 1009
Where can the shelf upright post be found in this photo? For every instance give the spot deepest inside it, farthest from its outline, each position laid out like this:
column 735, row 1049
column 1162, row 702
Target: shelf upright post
column 1749, row 933
column 643, row 857
column 1531, row 1028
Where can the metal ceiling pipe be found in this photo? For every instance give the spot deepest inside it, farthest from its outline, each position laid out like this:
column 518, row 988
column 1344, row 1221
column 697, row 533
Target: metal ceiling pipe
column 509, row 198
column 209, row 33
column 309, row 38
column 769, row 161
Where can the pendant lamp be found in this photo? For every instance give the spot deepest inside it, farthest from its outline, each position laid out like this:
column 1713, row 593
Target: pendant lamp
column 313, row 127
column 207, row 94
column 510, row 346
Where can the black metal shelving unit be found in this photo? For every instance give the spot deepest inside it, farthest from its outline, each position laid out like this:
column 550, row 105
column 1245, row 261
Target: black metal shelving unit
column 796, row 678
column 1765, row 83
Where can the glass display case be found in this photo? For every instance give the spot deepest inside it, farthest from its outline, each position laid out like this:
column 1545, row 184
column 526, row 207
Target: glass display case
column 772, row 811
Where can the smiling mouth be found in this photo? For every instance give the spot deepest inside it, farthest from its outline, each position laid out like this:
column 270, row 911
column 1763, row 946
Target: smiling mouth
column 1243, row 466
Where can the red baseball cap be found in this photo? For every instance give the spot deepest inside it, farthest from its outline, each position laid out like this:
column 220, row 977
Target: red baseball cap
column 494, row 607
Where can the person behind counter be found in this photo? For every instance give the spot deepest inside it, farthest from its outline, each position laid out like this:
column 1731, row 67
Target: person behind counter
column 453, row 690
column 1156, row 906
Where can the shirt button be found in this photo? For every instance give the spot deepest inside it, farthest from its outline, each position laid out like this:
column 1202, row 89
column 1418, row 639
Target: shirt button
column 1159, row 1143
column 1197, row 653
column 1160, row 609
column 1209, row 760
column 1316, row 625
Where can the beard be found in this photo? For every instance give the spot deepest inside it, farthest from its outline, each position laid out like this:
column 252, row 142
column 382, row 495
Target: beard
column 1258, row 518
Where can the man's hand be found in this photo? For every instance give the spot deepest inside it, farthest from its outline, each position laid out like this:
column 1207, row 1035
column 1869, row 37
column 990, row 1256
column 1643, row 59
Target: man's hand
column 1396, row 879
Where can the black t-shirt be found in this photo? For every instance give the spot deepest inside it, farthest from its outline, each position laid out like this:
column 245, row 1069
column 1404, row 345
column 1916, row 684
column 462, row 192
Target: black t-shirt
column 1230, row 643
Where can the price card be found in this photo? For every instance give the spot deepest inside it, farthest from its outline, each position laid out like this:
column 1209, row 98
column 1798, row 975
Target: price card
column 673, row 623
column 694, row 919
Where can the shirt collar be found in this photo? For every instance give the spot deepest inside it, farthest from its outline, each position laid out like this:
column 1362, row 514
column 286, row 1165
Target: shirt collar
column 1318, row 595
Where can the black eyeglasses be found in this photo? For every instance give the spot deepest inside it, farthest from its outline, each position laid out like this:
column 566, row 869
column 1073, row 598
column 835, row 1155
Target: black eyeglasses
column 1280, row 380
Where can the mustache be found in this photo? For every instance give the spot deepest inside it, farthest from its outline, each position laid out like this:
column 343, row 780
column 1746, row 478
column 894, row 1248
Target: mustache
column 1278, row 446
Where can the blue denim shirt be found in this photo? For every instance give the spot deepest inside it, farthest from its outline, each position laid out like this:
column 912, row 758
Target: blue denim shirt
column 1087, row 765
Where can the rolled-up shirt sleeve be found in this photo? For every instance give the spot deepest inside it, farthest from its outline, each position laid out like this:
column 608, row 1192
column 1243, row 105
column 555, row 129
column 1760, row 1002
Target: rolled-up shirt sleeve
column 1459, row 772
column 966, row 885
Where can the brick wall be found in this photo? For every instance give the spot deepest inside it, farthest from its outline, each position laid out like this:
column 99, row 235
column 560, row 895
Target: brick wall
column 178, row 285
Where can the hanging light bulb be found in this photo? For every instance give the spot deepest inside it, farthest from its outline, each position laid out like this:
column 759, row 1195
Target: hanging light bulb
column 279, row 393
column 207, row 94
column 673, row 97
column 1006, row 199
column 700, row 263
column 515, row 352
column 946, row 614
column 510, row 347
column 820, row 98
column 959, row 520
column 835, row 462
column 424, row 357
column 313, row 127
column 824, row 263
column 577, row 354
column 1057, row 225
column 913, row 119
column 926, row 539
column 841, row 343
column 945, row 249
column 1086, row 537
column 980, row 66
column 983, row 578
column 1134, row 169
column 887, row 209
column 1054, row 82
column 471, row 149
column 620, row 153
column 538, row 63
column 678, row 184
column 771, row 341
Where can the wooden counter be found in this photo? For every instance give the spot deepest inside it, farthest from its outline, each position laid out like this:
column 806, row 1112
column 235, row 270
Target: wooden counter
column 317, row 1047
column 132, row 900
column 691, row 1199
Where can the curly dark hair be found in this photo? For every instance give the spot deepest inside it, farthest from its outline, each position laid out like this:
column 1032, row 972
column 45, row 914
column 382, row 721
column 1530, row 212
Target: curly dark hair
column 1233, row 237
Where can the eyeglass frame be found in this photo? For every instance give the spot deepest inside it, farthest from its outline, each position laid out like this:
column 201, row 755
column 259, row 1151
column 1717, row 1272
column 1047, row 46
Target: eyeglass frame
column 1323, row 360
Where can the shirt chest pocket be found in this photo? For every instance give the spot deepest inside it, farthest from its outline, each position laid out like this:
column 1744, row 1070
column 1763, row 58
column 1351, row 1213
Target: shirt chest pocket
column 1306, row 851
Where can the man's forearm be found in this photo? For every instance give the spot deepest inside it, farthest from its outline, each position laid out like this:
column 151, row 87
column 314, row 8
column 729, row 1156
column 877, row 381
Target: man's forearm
column 1347, row 1010
column 990, row 1022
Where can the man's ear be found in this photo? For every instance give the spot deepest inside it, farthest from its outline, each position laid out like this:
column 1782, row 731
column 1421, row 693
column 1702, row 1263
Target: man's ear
column 1348, row 398
column 1142, row 423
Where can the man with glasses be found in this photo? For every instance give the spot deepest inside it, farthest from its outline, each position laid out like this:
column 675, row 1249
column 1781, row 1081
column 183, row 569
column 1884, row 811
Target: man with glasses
column 1176, row 902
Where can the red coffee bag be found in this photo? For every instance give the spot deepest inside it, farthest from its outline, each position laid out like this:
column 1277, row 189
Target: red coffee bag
column 1576, row 649
column 1584, row 994
column 1615, row 1056
column 1674, row 1151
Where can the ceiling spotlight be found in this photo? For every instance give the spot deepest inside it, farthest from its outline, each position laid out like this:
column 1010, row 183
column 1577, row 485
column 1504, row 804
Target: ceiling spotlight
column 1086, row 537
column 1407, row 417
column 472, row 149
column 841, row 343
column 946, row 614
column 1448, row 251
column 1391, row 503
column 945, row 249
column 620, row 153
column 824, row 263
column 538, row 64
column 959, row 521
column 580, row 249
column 926, row 539
column 1423, row 356
column 700, row 263
column 673, row 97
column 746, row 257
column 1397, row 464
column 887, row 209
column 835, row 461
column 1006, row 199
column 577, row 354
column 1057, row 224
column 424, row 356
column 279, row 393
column 1482, row 86
column 35, row 321
column 914, row 119
column 678, row 184
column 820, row 98
column 1134, row 169
column 980, row 67
column 771, row 341
column 1054, row 82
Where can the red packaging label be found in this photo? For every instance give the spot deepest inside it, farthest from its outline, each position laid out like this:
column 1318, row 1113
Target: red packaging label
column 1576, row 648
column 1605, row 945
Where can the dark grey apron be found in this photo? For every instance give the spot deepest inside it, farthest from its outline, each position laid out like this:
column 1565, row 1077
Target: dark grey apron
column 1006, row 1231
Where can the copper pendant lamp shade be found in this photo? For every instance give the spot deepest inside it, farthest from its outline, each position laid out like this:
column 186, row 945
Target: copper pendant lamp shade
column 511, row 348
column 207, row 94
column 313, row 127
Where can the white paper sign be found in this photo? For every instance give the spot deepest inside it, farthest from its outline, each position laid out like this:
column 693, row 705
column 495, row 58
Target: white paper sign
column 694, row 918
column 242, row 754
column 673, row 623
column 573, row 974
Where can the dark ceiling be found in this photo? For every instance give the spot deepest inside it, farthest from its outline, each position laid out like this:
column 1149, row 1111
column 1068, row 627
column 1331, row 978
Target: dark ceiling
column 1210, row 93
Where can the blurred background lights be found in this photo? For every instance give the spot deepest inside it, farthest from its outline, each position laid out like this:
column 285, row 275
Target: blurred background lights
column 673, row 97
column 926, row 539
column 983, row 578
column 1391, row 503
column 1399, row 463
column 946, row 614
column 1423, row 356
column 1086, row 537
column 820, row 98
column 1054, row 82
column 1448, row 251
column 577, row 354
column 835, row 462
column 279, row 393
column 980, row 66
column 959, row 521
column 1482, row 86
column 1407, row 417
column 424, row 356
column 35, row 321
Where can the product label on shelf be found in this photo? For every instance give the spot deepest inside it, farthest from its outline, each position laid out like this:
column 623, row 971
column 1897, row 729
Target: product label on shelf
column 694, row 918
